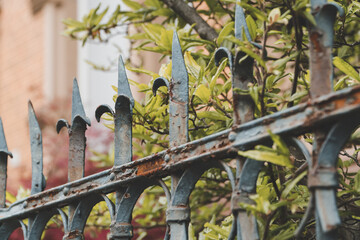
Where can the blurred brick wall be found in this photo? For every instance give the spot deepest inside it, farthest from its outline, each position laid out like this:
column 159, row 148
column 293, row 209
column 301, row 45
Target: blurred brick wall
column 21, row 79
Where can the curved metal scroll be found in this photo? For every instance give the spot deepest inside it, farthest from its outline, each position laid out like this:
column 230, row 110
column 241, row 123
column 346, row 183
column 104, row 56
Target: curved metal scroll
column 178, row 212
column 121, row 227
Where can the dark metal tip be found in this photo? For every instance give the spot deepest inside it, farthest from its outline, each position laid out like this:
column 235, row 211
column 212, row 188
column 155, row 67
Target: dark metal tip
column 221, row 53
column 77, row 106
column 3, row 145
column 159, row 82
column 123, row 101
column 100, row 110
column 62, row 123
column 123, row 82
column 333, row 6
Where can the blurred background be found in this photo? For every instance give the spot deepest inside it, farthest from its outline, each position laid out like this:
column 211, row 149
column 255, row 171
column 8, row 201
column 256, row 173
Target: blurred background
column 38, row 63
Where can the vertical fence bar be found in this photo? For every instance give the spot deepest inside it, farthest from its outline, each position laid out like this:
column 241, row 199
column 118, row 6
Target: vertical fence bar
column 4, row 153
column 122, row 118
column 178, row 127
column 245, row 226
column 37, row 177
column 77, row 145
column 321, row 74
column 77, row 142
column 38, row 180
column 322, row 178
column 121, row 227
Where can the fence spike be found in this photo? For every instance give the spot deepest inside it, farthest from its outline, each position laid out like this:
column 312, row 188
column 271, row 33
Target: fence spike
column 321, row 74
column 242, row 72
column 122, row 117
column 321, row 41
column 77, row 108
column 123, row 82
column 179, row 96
column 3, row 144
column 240, row 23
column 4, row 153
column 76, row 130
column 38, row 180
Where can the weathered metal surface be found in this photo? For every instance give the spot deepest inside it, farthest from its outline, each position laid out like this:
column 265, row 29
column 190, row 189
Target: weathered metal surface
column 4, row 153
column 179, row 97
column 122, row 118
column 178, row 119
column 38, row 180
column 295, row 121
column 241, row 71
column 247, row 170
column 77, row 142
column 322, row 178
column 321, row 40
column 332, row 117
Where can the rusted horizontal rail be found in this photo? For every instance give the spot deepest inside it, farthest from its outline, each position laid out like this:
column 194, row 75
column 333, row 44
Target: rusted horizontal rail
column 295, row 120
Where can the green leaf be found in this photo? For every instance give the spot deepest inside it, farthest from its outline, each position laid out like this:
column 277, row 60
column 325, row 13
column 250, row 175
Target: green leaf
column 217, row 74
column 281, row 63
column 166, row 39
column 217, row 229
column 228, row 28
column 309, row 17
column 252, row 27
column 203, row 93
column 279, row 143
column 253, row 11
column 357, row 182
column 298, row 95
column 212, row 115
column 147, row 72
column 132, row 4
column 268, row 156
column 274, row 15
column 346, row 68
column 252, row 54
column 291, row 185
column 73, row 23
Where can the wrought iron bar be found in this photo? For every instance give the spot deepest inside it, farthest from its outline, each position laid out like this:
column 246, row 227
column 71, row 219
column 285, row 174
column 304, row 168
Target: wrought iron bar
column 326, row 114
column 322, row 179
column 293, row 121
column 76, row 131
column 4, row 153
column 38, row 180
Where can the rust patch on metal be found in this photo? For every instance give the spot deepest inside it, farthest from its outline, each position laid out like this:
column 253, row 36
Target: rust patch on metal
column 74, row 234
column 315, row 39
column 150, row 167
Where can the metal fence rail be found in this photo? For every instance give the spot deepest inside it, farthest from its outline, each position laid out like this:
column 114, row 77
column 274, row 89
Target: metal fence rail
column 325, row 115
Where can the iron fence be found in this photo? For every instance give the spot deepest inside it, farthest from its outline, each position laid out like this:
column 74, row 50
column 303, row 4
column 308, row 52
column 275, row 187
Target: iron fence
column 325, row 115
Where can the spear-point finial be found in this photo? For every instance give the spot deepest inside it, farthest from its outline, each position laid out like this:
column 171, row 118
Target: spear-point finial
column 122, row 118
column 180, row 80
column 77, row 141
column 4, row 153
column 240, row 23
column 3, row 145
column 123, row 82
column 38, row 179
column 77, row 108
